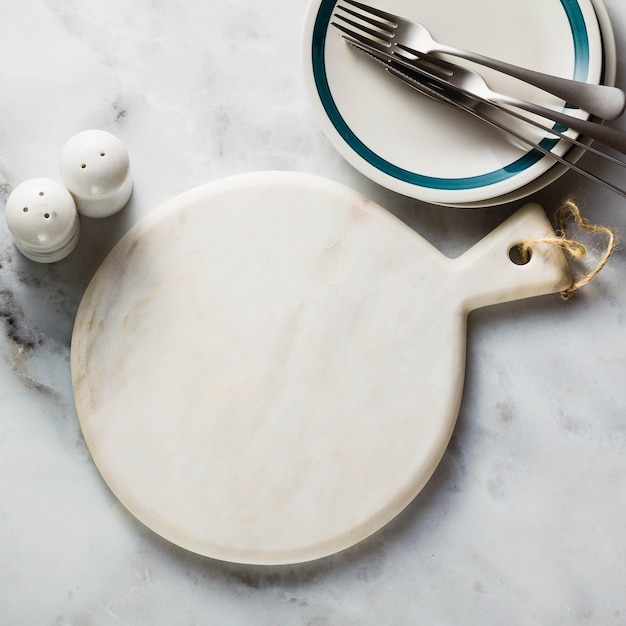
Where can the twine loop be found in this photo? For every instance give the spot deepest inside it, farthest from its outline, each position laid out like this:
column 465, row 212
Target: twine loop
column 574, row 249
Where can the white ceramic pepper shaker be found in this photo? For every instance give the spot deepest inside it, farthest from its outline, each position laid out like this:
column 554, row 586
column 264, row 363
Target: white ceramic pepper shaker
column 42, row 217
column 95, row 167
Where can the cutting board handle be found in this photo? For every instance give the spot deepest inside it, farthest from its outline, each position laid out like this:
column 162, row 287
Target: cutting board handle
column 488, row 275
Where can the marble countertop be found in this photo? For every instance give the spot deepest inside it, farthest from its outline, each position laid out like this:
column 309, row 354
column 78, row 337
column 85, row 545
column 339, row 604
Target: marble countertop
column 523, row 521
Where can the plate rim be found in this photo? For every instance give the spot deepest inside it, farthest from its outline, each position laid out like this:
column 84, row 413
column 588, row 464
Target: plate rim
column 440, row 190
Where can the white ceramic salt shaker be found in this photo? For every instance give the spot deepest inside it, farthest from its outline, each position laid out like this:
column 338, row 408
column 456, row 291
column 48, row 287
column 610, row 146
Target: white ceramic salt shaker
column 95, row 167
column 42, row 217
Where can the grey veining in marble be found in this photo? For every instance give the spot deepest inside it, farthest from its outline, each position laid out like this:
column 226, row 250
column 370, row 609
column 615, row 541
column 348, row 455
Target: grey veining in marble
column 523, row 520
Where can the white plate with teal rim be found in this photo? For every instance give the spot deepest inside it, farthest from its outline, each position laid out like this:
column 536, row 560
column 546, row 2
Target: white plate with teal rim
column 421, row 148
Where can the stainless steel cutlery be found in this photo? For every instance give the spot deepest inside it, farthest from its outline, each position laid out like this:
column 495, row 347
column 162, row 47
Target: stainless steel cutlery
column 398, row 33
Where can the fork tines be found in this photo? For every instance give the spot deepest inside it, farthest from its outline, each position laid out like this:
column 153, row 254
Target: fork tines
column 383, row 31
column 368, row 12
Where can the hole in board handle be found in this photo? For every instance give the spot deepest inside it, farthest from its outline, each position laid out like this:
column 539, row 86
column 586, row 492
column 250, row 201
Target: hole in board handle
column 518, row 256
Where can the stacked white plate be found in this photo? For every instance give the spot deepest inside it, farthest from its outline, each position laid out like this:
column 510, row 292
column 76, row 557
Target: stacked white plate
column 436, row 153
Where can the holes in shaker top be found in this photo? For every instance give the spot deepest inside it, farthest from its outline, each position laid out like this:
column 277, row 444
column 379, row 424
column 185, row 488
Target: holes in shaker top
column 84, row 165
column 46, row 215
column 41, row 193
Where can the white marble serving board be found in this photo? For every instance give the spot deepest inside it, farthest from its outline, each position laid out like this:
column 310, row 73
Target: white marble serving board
column 268, row 368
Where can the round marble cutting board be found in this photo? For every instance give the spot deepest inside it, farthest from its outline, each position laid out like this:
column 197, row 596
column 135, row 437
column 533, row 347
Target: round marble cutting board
column 268, row 368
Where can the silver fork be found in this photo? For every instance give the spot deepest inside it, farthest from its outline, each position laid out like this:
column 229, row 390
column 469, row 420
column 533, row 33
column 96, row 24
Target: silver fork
column 434, row 74
column 421, row 82
column 394, row 31
column 473, row 84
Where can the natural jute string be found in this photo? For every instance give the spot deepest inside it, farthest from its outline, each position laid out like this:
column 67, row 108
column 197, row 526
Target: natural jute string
column 574, row 249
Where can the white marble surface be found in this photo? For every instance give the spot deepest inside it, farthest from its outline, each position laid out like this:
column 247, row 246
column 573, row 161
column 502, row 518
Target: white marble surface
column 522, row 522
